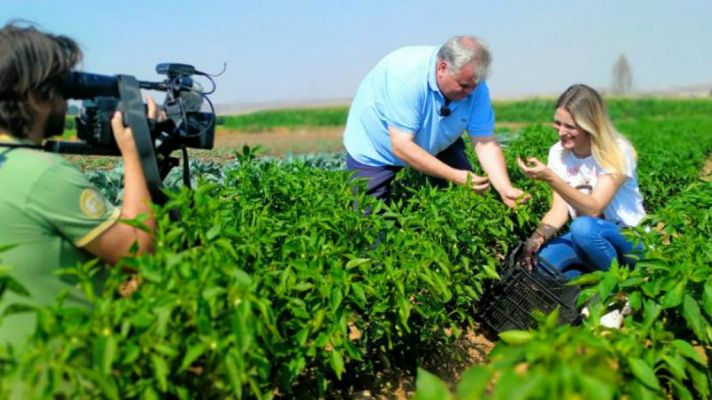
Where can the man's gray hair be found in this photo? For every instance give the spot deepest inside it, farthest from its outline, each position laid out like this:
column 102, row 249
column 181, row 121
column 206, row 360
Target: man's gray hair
column 462, row 50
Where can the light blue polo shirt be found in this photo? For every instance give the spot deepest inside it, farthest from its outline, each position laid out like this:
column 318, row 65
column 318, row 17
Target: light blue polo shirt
column 402, row 91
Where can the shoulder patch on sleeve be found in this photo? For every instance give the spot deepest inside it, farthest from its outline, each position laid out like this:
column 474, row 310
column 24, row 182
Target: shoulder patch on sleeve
column 92, row 204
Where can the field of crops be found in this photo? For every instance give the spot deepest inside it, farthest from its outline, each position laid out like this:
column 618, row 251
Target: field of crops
column 271, row 284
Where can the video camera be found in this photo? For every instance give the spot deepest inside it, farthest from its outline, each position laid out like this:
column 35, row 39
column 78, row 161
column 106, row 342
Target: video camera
column 184, row 126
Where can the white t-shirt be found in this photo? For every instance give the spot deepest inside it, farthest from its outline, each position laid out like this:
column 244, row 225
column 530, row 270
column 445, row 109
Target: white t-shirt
column 626, row 207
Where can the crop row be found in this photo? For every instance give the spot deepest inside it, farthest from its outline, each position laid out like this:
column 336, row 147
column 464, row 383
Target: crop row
column 663, row 349
column 271, row 282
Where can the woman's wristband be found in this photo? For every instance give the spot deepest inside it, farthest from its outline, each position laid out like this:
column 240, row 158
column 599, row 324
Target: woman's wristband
column 545, row 231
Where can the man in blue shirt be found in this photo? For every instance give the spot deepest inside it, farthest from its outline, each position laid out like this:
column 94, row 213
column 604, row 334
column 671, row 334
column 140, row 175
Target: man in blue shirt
column 412, row 109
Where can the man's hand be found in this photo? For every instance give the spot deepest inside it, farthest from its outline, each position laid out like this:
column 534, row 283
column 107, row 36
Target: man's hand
column 512, row 196
column 478, row 184
column 535, row 169
column 123, row 134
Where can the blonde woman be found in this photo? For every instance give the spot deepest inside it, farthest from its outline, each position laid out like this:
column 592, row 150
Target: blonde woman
column 592, row 172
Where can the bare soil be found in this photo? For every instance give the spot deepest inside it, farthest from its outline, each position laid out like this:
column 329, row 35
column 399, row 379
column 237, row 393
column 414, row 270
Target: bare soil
column 706, row 172
column 447, row 361
column 282, row 142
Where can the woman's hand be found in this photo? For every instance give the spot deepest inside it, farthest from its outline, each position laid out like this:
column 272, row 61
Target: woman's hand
column 535, row 170
column 541, row 235
column 531, row 248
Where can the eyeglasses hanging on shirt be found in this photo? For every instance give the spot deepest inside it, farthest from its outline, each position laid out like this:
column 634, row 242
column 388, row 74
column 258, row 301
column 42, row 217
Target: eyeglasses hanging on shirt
column 445, row 110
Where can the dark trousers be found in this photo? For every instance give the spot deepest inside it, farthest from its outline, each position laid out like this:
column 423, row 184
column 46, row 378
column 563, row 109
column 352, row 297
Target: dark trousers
column 380, row 178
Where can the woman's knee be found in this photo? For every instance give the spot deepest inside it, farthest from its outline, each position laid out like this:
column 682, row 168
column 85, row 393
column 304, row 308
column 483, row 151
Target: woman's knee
column 584, row 229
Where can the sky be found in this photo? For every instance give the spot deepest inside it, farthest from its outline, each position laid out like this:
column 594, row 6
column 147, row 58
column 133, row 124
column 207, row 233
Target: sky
column 289, row 51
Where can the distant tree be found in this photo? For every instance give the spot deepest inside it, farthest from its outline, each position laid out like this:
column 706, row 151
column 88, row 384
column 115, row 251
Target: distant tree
column 622, row 76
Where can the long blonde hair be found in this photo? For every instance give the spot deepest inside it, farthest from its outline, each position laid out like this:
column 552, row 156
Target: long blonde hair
column 588, row 110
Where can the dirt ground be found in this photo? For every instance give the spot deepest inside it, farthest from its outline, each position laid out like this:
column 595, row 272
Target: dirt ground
column 278, row 143
column 282, row 142
column 447, row 361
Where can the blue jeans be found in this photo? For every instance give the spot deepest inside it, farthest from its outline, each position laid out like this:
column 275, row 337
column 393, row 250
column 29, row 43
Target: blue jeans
column 590, row 244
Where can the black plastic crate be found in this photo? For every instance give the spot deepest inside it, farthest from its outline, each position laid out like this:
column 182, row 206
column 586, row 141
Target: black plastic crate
column 513, row 301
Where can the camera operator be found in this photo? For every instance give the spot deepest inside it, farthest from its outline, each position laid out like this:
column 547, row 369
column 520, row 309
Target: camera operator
column 51, row 214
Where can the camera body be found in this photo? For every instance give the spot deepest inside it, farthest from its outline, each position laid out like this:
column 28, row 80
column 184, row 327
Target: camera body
column 94, row 121
column 181, row 124
column 185, row 124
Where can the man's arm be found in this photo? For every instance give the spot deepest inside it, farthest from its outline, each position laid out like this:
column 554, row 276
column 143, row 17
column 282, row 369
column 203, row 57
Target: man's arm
column 491, row 158
column 405, row 148
column 116, row 240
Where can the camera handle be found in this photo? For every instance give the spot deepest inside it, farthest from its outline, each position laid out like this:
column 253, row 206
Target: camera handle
column 134, row 117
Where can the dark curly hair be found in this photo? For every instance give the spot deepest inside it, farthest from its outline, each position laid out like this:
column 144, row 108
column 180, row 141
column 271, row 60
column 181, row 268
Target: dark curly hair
column 31, row 61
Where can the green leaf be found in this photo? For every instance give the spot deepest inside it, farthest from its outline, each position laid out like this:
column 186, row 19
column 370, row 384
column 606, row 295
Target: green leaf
column 241, row 277
column 17, row 308
column 131, row 353
column 676, row 365
column 106, row 383
column 303, row 286
column 673, row 298
column 510, row 385
column 13, row 285
column 4, row 248
column 597, row 389
column 639, row 391
column 699, row 380
column 632, row 282
column 160, row 371
column 490, row 272
column 552, row 320
column 585, row 279
column 336, row 297
column 651, row 311
column 359, row 293
column 693, row 316
column 430, row 387
column 191, row 355
column 635, row 300
column 681, row 392
column 355, row 262
column 644, row 373
column 233, row 373
column 707, row 298
column 516, row 337
column 606, row 285
column 213, row 232
column 337, row 363
column 653, row 264
column 149, row 393
column 687, row 350
column 165, row 350
column 137, row 222
column 473, row 383
column 108, row 355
